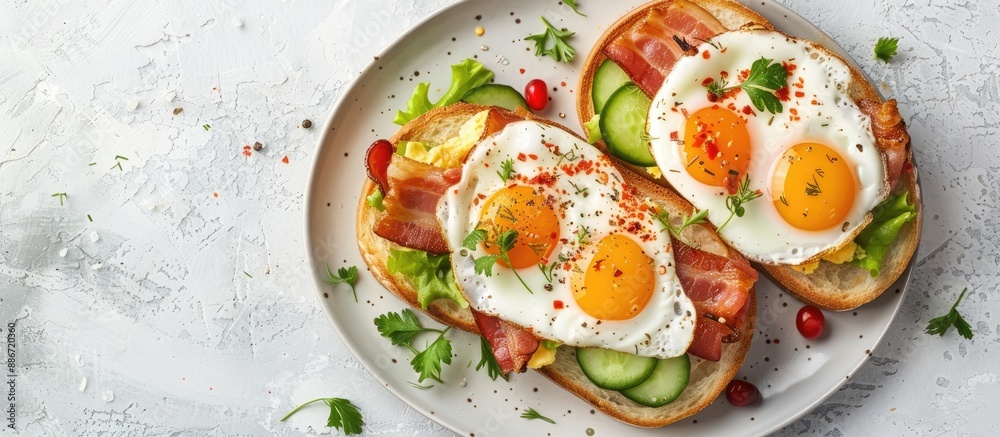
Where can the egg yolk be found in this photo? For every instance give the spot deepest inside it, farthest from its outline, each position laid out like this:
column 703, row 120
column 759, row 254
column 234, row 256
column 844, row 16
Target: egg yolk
column 521, row 209
column 618, row 282
column 716, row 147
column 813, row 187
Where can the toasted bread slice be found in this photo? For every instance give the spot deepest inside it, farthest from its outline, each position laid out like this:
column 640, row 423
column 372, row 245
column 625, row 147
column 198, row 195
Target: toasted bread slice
column 708, row 379
column 831, row 286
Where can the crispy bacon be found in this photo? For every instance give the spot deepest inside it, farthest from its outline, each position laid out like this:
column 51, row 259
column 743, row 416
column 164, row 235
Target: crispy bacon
column 652, row 46
column 411, row 190
column 718, row 285
column 708, row 338
column 512, row 346
column 890, row 134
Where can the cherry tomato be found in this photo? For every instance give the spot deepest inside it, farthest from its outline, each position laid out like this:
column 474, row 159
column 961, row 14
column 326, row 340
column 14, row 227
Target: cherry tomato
column 810, row 322
column 742, row 393
column 537, row 94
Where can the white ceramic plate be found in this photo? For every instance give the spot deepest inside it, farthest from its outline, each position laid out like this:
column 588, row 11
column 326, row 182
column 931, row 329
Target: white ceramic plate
column 794, row 375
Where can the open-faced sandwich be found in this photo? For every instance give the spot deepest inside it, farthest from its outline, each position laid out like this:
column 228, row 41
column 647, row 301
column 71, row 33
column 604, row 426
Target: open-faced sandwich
column 788, row 150
column 512, row 227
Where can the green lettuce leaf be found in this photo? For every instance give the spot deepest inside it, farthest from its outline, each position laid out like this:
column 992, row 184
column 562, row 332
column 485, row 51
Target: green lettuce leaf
column 375, row 200
column 465, row 76
column 887, row 219
column 430, row 274
column 594, row 129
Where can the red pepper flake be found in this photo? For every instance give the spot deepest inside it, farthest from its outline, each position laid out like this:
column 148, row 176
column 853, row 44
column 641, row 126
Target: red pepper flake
column 724, row 74
column 712, row 97
column 705, row 54
column 747, row 110
column 712, row 149
column 707, row 81
column 782, row 94
column 521, row 70
column 724, row 49
column 800, row 94
column 684, row 112
column 562, row 83
column 597, row 265
column 285, row 159
column 776, row 341
column 618, row 273
column 744, row 74
column 557, row 304
column 673, row 136
column 215, row 194
column 246, row 151
column 522, row 157
column 793, row 111
column 533, row 156
column 732, row 184
column 789, row 67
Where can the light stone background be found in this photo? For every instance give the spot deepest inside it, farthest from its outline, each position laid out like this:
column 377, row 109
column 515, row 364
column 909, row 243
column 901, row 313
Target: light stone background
column 144, row 322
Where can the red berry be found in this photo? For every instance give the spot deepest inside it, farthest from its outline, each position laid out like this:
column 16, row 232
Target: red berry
column 537, row 94
column 742, row 393
column 810, row 322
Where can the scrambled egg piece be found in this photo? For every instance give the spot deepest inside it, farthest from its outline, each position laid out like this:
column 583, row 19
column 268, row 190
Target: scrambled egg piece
column 451, row 153
column 654, row 172
column 542, row 357
column 839, row 256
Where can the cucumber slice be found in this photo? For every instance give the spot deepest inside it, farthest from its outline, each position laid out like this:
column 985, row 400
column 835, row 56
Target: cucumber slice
column 623, row 125
column 614, row 370
column 491, row 94
column 607, row 79
column 665, row 385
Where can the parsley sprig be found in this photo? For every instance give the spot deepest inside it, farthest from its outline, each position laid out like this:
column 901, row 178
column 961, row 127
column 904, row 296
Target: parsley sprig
column 505, row 243
column 402, row 329
column 761, row 85
column 572, row 5
column 343, row 415
column 62, row 197
column 506, row 170
column 531, row 414
column 940, row 325
column 886, row 48
column 345, row 275
column 552, row 42
column 736, row 201
column 697, row 218
column 489, row 361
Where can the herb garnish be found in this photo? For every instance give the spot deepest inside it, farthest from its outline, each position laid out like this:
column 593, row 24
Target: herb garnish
column 735, row 202
column 582, row 235
column 547, row 270
column 694, row 219
column 489, row 361
column 885, row 48
column 507, row 170
column 940, row 325
column 572, row 5
column 206, row 127
column 812, row 188
column 343, row 415
column 765, row 79
column 505, row 242
column 531, row 414
column 61, row 196
column 402, row 328
column 555, row 40
column 348, row 275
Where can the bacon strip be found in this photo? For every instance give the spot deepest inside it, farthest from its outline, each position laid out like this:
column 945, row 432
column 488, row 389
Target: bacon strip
column 708, row 338
column 410, row 191
column 652, row 46
column 890, row 135
column 512, row 346
column 718, row 285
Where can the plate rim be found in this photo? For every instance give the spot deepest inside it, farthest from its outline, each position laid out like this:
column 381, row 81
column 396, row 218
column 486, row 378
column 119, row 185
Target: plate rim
column 314, row 176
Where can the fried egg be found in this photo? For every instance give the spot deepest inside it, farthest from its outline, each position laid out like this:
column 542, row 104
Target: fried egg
column 814, row 163
column 589, row 267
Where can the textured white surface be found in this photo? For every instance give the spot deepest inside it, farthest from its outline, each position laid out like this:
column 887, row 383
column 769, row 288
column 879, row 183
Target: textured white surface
column 172, row 333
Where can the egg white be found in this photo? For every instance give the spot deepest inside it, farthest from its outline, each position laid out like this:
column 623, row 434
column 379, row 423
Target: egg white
column 664, row 328
column 762, row 234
